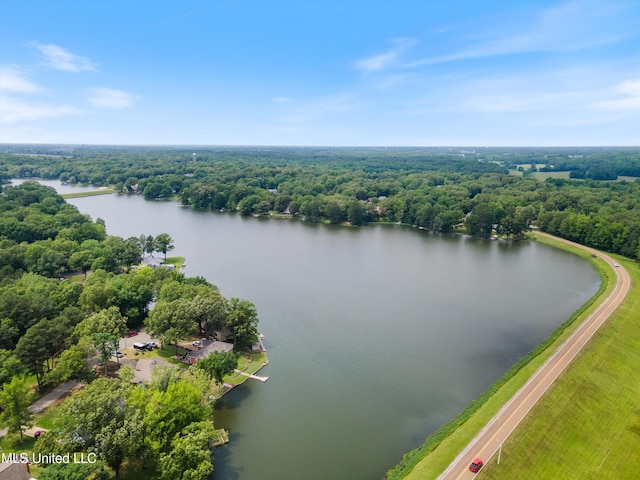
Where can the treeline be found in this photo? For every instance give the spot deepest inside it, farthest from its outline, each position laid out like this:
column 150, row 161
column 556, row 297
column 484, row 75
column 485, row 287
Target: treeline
column 441, row 190
column 50, row 327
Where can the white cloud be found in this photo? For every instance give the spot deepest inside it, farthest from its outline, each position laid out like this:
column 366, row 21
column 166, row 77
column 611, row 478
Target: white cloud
column 12, row 79
column 630, row 87
column 14, row 110
column 60, row 59
column 566, row 27
column 111, row 98
column 627, row 97
column 386, row 59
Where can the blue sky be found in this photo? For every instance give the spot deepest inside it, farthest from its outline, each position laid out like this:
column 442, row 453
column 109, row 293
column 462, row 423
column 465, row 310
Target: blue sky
column 320, row 72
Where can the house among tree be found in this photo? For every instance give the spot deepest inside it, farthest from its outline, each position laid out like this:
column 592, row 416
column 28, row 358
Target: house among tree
column 206, row 347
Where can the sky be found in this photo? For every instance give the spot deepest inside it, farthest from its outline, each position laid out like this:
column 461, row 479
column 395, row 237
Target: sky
column 320, row 72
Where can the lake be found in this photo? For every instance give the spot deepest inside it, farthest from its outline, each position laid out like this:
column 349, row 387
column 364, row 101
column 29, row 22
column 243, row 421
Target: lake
column 376, row 335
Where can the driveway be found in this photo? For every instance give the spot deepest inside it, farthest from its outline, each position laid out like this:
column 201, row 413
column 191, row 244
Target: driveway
column 53, row 395
column 142, row 337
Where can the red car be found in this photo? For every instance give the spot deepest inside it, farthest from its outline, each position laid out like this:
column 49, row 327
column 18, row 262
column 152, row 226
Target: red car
column 132, row 333
column 476, row 465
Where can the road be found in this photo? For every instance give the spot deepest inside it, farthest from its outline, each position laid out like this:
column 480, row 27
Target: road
column 488, row 441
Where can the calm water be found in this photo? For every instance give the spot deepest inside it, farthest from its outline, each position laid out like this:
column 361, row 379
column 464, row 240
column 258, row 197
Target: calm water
column 376, row 335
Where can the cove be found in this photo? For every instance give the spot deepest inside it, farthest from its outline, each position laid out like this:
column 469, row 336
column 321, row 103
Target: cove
column 376, row 335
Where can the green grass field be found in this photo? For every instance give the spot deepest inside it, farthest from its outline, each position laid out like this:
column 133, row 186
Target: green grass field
column 428, row 461
column 104, row 191
column 542, row 176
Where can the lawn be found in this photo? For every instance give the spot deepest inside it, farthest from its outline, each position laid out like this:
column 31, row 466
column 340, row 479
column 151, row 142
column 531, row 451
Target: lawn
column 250, row 366
column 177, row 261
column 167, row 353
column 428, row 461
column 588, row 424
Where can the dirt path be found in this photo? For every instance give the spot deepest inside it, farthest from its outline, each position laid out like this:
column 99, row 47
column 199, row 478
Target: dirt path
column 488, row 441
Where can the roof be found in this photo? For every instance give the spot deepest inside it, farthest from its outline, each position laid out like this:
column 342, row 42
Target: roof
column 210, row 346
column 14, row 471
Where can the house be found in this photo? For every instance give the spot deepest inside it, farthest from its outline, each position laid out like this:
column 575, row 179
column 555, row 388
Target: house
column 15, row 471
column 206, row 347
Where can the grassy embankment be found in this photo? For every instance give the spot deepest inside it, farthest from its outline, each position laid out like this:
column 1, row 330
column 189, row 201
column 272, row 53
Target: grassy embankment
column 104, row 191
column 429, row 460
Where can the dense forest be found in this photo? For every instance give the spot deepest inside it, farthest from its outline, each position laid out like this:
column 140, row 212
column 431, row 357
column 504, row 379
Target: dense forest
column 438, row 189
column 54, row 317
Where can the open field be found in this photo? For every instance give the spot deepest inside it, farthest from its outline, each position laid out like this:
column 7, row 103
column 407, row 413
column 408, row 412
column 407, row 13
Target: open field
column 432, row 458
column 542, row 176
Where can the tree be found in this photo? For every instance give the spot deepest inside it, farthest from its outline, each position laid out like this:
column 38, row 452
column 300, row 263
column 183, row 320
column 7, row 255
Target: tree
column 242, row 320
column 294, row 208
column 82, row 260
column 165, row 323
column 105, row 343
column 333, row 212
column 98, row 419
column 218, row 364
column 33, row 350
column 149, row 245
column 108, row 321
column 72, row 364
column 208, row 310
column 15, row 399
column 131, row 253
column 310, row 209
column 10, row 366
column 355, row 213
column 98, row 296
column 163, row 243
column 169, row 412
column 190, row 455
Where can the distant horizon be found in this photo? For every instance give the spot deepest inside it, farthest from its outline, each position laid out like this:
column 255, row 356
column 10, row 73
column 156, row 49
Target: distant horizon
column 380, row 147
column 320, row 73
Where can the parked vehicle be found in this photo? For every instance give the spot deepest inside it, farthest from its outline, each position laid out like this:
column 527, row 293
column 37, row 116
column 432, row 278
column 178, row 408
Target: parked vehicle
column 141, row 347
column 152, row 345
column 117, row 354
column 132, row 333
